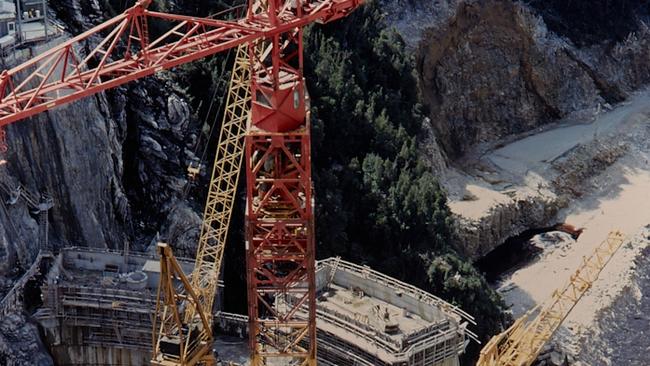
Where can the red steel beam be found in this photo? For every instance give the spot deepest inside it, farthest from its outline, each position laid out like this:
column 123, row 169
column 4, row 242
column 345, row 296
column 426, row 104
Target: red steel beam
column 280, row 248
column 61, row 75
column 280, row 244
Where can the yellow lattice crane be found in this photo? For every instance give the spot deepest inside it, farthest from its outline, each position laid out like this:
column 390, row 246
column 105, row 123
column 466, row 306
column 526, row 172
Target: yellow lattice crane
column 182, row 329
column 520, row 344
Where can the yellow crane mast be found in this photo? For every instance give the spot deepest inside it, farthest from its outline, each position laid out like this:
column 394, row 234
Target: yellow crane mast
column 223, row 184
column 182, row 330
column 520, row 344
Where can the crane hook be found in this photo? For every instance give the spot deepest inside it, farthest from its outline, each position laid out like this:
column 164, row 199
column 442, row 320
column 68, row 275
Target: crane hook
column 193, row 169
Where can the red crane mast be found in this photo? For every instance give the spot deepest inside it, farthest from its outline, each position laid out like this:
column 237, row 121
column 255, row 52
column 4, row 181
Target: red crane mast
column 280, row 250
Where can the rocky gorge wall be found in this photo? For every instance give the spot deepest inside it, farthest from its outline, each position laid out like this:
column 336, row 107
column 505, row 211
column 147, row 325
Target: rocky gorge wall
column 114, row 165
column 490, row 70
column 494, row 69
column 20, row 344
column 50, row 153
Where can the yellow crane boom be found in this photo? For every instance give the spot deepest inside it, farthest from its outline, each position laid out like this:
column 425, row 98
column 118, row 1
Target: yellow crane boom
column 520, row 344
column 177, row 342
column 182, row 331
column 223, row 184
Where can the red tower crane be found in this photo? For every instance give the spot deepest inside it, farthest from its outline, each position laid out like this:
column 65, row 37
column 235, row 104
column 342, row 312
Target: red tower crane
column 280, row 251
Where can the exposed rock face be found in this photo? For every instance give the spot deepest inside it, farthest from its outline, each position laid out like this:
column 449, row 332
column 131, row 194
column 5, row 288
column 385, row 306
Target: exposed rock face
column 20, row 343
column 550, row 356
column 494, row 70
column 114, row 163
column 183, row 227
column 624, row 64
column 507, row 219
column 412, row 18
column 584, row 162
column 522, row 206
column 18, row 241
column 78, row 15
column 157, row 151
column 593, row 22
column 489, row 69
column 74, row 154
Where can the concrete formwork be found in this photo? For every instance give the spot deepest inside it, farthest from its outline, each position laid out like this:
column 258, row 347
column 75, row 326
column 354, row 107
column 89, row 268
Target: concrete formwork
column 98, row 307
column 368, row 318
column 420, row 329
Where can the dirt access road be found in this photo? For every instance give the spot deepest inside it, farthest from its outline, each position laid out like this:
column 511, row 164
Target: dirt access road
column 619, row 199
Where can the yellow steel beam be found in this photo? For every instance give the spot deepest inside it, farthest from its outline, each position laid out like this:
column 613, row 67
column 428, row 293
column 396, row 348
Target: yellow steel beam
column 175, row 342
column 223, row 185
column 184, row 318
column 520, row 344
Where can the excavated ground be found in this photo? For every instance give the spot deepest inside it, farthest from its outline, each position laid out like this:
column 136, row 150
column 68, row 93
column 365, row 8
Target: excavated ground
column 547, row 175
column 620, row 334
column 593, row 173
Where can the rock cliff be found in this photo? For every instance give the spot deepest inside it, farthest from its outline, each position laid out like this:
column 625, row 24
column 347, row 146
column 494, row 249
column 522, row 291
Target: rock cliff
column 113, row 163
column 494, row 70
column 491, row 70
column 20, row 343
column 74, row 155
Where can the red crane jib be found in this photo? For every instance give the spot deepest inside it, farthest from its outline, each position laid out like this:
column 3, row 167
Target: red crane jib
column 123, row 53
column 280, row 244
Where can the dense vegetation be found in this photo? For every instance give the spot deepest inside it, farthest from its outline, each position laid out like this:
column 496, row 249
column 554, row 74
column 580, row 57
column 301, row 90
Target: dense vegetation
column 377, row 202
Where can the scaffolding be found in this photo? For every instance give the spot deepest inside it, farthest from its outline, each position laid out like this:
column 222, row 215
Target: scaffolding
column 430, row 332
column 97, row 309
column 405, row 325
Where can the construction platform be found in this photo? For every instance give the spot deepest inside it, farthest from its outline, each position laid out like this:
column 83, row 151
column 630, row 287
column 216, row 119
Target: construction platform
column 368, row 318
column 365, row 318
column 98, row 306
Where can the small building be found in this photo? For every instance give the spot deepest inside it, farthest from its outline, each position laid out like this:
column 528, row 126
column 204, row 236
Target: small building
column 32, row 10
column 7, row 22
column 33, row 24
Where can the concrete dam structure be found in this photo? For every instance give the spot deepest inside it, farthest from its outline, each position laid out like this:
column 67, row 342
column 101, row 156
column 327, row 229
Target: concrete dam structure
column 97, row 309
column 368, row 318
